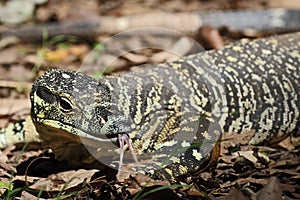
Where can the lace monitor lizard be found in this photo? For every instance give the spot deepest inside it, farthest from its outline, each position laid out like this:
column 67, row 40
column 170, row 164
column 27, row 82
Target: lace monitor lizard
column 172, row 115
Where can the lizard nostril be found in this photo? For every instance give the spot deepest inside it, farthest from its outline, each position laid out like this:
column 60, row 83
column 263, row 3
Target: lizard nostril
column 46, row 94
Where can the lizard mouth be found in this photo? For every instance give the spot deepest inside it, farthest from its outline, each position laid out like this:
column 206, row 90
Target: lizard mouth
column 77, row 131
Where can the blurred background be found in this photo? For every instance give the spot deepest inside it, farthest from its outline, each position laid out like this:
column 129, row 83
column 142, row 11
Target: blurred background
column 104, row 37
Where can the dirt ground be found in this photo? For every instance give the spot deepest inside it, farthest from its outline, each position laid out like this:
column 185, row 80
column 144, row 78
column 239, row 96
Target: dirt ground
column 273, row 173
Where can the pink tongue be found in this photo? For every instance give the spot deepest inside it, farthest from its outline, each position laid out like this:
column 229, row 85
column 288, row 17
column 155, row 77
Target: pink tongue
column 123, row 138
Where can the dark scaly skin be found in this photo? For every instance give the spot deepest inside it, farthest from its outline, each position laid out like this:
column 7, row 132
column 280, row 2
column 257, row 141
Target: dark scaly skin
column 175, row 112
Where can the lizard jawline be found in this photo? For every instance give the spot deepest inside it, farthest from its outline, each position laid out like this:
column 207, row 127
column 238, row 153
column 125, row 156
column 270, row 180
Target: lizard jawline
column 79, row 132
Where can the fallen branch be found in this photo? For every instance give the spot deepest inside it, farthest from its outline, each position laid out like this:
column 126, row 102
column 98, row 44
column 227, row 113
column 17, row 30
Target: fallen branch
column 270, row 20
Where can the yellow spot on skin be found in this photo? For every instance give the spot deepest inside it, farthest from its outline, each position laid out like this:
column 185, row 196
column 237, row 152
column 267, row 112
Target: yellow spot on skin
column 231, row 59
column 185, row 144
column 176, row 66
column 169, row 171
column 255, row 77
column 138, row 117
column 241, row 64
column 266, row 51
column 206, row 135
column 295, row 54
column 197, row 155
column 291, row 67
column 247, row 104
column 245, row 90
column 165, row 144
column 229, row 69
column 175, row 159
column 183, row 169
column 187, row 128
column 287, row 86
column 259, row 62
column 40, row 115
column 185, row 72
column 65, row 75
column 270, row 101
column 237, row 48
column 244, row 40
column 273, row 41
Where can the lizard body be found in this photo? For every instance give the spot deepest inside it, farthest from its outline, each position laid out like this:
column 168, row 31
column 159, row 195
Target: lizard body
column 174, row 113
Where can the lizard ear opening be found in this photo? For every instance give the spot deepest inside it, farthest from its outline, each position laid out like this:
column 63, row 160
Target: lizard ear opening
column 104, row 90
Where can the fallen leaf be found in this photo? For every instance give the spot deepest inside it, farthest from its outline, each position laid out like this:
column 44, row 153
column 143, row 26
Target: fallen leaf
column 237, row 194
column 63, row 180
column 135, row 58
column 287, row 144
column 246, row 154
column 7, row 41
column 271, row 191
column 14, row 106
column 8, row 56
column 211, row 37
column 26, row 195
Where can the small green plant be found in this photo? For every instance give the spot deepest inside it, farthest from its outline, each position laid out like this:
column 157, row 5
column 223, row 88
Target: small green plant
column 97, row 50
column 7, row 186
column 141, row 195
column 107, row 71
column 11, row 192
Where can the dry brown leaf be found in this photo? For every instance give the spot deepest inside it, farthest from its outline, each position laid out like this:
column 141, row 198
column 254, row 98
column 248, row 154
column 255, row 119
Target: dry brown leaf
column 164, row 56
column 235, row 138
column 211, row 37
column 242, row 181
column 13, row 106
column 246, row 154
column 144, row 180
column 63, row 180
column 136, row 182
column 251, row 156
column 25, row 196
column 271, row 191
column 110, row 62
column 34, row 59
column 135, row 58
column 206, row 180
column 287, row 144
column 9, row 56
column 196, row 193
column 287, row 172
column 288, row 187
column 7, row 41
column 282, row 164
column 260, row 181
column 180, row 48
column 237, row 194
column 20, row 73
column 15, row 84
column 7, row 167
column 25, row 178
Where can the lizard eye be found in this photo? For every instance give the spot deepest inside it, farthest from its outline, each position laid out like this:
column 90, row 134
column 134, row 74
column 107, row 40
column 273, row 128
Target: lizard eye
column 65, row 104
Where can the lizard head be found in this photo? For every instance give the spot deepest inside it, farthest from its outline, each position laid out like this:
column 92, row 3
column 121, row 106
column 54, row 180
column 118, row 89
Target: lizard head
column 67, row 104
